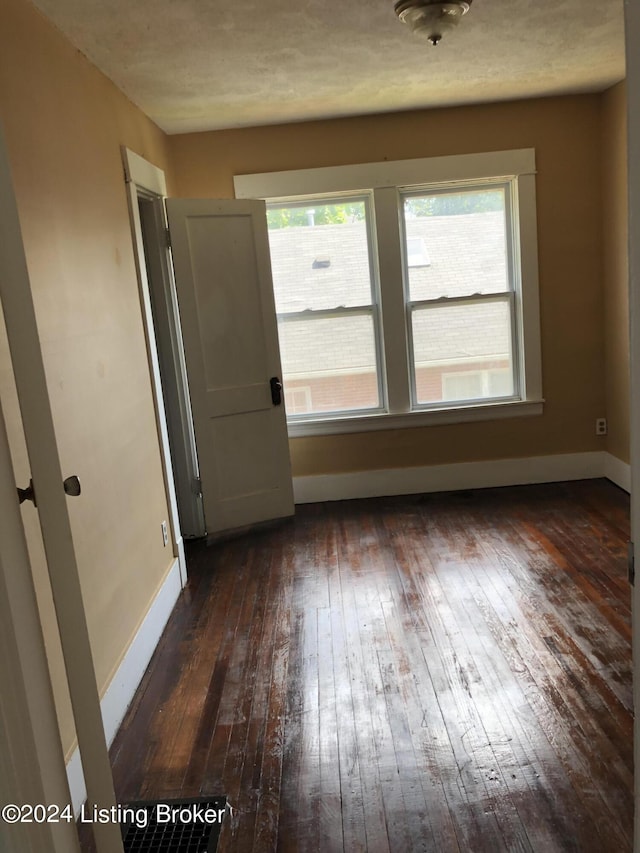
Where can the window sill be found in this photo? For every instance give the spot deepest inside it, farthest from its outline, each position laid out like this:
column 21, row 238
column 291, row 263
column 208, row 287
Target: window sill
column 432, row 417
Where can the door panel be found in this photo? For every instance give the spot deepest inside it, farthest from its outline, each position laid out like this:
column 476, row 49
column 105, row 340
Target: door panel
column 223, row 279
column 229, row 312
column 249, row 467
column 226, row 401
column 37, row 420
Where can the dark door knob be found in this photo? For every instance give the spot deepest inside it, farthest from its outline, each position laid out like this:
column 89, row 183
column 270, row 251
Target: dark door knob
column 72, row 486
column 276, row 391
column 27, row 494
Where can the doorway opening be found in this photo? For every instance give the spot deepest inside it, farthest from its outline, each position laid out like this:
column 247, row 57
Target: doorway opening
column 211, row 290
column 173, row 372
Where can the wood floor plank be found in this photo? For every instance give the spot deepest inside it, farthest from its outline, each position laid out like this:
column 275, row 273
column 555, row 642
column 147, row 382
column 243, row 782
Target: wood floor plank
column 555, row 703
column 355, row 544
column 269, row 782
column 437, row 673
column 542, row 793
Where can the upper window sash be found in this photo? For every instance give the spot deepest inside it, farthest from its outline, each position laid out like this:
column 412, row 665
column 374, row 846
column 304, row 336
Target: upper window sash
column 338, row 198
column 510, row 214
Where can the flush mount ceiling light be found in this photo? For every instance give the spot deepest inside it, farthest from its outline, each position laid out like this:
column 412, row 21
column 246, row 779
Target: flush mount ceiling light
column 430, row 17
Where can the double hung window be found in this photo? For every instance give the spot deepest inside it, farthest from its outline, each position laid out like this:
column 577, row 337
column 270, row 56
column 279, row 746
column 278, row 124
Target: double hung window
column 461, row 304
column 325, row 294
column 406, row 292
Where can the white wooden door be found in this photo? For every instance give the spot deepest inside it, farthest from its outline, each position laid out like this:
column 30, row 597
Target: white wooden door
column 32, row 766
column 28, row 369
column 225, row 295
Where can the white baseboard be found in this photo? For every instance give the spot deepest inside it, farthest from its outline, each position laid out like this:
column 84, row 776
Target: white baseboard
column 182, row 561
column 459, row 475
column 618, row 472
column 124, row 683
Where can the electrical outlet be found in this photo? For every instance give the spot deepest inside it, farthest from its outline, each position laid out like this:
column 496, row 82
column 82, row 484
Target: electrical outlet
column 165, row 534
column 601, row 426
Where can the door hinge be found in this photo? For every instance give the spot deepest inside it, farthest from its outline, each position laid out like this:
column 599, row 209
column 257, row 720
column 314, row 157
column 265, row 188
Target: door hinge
column 197, row 486
column 631, row 563
column 167, row 235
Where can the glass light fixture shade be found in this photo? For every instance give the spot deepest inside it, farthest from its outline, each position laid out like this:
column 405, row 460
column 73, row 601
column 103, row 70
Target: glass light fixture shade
column 430, row 18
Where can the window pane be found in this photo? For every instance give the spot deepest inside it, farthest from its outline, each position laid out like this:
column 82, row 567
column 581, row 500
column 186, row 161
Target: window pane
column 329, row 364
column 319, row 255
column 462, row 352
column 462, row 385
column 500, row 382
column 464, row 239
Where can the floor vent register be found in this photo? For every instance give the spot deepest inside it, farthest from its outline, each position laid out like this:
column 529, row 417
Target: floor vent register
column 173, row 826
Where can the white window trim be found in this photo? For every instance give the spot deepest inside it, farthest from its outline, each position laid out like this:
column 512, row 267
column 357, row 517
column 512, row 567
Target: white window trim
column 399, row 173
column 386, row 179
column 449, row 414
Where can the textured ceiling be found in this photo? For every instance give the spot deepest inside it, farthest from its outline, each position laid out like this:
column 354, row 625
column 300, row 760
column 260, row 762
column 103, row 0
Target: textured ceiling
column 207, row 64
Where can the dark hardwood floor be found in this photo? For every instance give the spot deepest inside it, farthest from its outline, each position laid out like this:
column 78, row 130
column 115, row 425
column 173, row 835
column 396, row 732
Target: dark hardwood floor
column 427, row 673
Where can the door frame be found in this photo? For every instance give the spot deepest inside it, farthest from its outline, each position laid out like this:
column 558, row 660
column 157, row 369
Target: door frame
column 173, row 370
column 142, row 176
column 632, row 36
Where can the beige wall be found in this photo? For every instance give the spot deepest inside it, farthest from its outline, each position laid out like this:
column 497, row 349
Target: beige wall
column 616, row 268
column 64, row 124
column 566, row 135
